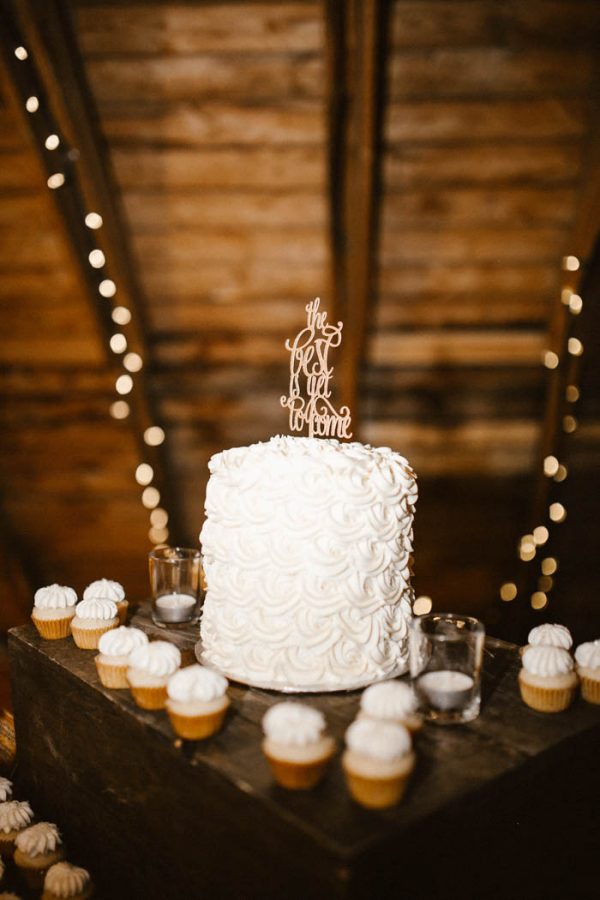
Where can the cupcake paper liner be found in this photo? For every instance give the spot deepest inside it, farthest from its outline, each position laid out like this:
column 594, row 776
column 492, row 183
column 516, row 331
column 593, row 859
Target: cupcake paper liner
column 53, row 629
column 34, row 870
column 149, row 697
column 375, row 793
column 122, row 607
column 87, row 638
column 297, row 776
column 114, row 677
column 590, row 689
column 195, row 728
column 7, row 844
column 549, row 700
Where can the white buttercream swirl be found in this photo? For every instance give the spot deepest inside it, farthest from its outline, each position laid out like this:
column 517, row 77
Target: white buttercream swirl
column 388, row 700
column 306, row 549
column 588, row 655
column 6, row 789
column 54, row 596
column 384, row 741
column 196, row 683
column 121, row 641
column 547, row 661
column 550, row 635
column 105, row 590
column 96, row 608
column 65, row 880
column 38, row 839
column 159, row 658
column 293, row 724
column 15, row 815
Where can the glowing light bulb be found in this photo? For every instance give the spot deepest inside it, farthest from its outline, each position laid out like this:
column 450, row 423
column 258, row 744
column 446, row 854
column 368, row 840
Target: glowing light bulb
column 55, row 181
column 121, row 315
column 549, row 565
column 93, row 220
column 150, row 497
column 538, row 600
column 572, row 393
column 32, row 104
column 557, row 512
column 551, row 359
column 154, row 436
column 561, row 474
column 575, row 304
column 159, row 517
column 21, row 53
column 133, row 362
column 107, row 288
column 124, row 384
column 422, row 606
column 158, row 535
column 118, row 343
column 52, row 142
column 569, row 424
column 551, row 465
column 508, row 591
column 570, row 263
column 144, row 474
column 119, row 409
column 540, row 535
column 97, row 259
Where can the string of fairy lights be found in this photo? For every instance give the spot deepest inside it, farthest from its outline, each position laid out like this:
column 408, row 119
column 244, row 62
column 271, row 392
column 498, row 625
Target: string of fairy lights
column 130, row 361
column 567, row 357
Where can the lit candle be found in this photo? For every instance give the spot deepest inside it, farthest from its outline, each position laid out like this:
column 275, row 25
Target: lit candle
column 446, row 689
column 175, row 607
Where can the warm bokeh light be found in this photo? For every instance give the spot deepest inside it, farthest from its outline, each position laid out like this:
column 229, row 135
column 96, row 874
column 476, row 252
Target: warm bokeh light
column 570, row 263
column 133, row 362
column 545, row 583
column 154, row 436
column 93, row 220
column 107, row 288
column 538, row 600
column 549, row 565
column 32, row 104
column 21, row 53
column 124, row 384
column 158, row 535
column 561, row 473
column 557, row 512
column 150, row 497
column 119, row 409
column 569, row 424
column 144, row 474
column 551, row 359
column 572, row 393
column 52, row 142
column 121, row 315
column 575, row 304
column 508, row 591
column 540, row 535
column 159, row 517
column 422, row 606
column 118, row 343
column 551, row 465
column 97, row 259
column 574, row 346
column 56, row 181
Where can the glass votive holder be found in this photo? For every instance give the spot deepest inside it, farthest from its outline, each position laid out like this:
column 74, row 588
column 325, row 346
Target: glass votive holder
column 176, row 585
column 446, row 654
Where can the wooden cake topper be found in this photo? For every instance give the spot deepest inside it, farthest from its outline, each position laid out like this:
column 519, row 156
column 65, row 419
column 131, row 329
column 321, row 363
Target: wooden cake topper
column 308, row 364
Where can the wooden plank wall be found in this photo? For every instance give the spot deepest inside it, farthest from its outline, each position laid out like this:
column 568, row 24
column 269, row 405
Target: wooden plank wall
column 214, row 116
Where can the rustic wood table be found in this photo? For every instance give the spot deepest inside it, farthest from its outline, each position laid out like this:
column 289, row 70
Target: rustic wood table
column 505, row 807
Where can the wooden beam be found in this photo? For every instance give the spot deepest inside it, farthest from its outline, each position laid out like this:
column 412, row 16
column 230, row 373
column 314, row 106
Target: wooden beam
column 54, row 73
column 355, row 50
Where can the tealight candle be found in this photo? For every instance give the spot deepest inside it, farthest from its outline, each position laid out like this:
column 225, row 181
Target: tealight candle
column 175, row 607
column 446, row 689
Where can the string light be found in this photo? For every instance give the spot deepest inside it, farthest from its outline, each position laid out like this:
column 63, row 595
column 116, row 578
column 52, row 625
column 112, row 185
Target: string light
column 154, row 436
column 575, row 304
column 539, row 600
column 572, row 393
column 52, row 142
column 549, row 565
column 21, row 53
column 574, row 346
column 133, row 362
column 570, row 263
column 107, row 288
column 119, row 409
column 93, row 220
column 56, row 181
column 551, row 359
column 159, row 517
column 118, row 343
column 121, row 315
column 422, row 606
column 545, row 583
column 150, row 497
column 557, row 512
column 158, row 535
column 124, row 384
column 540, row 535
column 550, row 466
column 561, row 473
column 508, row 591
column 144, row 474
column 569, row 424
column 97, row 259
column 32, row 104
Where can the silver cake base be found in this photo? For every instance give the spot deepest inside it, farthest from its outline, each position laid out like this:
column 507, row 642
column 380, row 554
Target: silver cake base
column 294, row 689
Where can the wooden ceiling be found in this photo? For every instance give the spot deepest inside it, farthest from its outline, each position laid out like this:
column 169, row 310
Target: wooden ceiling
column 226, row 132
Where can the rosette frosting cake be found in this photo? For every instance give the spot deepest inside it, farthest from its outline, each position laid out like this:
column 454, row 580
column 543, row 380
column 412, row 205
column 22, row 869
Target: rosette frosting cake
column 307, row 546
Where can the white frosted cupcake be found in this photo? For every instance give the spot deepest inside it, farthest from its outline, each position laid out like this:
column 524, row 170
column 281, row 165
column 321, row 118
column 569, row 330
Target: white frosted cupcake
column 391, row 701
column 587, row 657
column 295, row 745
column 150, row 668
column 6, row 789
column 104, row 589
column 66, row 882
column 115, row 647
column 93, row 618
column 377, row 762
column 547, row 680
column 36, row 849
column 53, row 611
column 15, row 816
column 197, row 702
column 550, row 635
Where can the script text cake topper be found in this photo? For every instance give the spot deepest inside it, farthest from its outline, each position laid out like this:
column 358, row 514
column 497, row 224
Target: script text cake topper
column 309, row 364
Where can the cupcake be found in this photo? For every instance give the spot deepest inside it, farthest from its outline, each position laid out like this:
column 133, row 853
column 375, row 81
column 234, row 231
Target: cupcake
column 391, row 701
column 587, row 657
column 104, row 589
column 15, row 815
column 53, row 611
column 5, row 789
column 197, row 702
column 377, row 762
column 36, row 849
column 150, row 668
column 66, row 882
column 547, row 680
column 113, row 660
column 295, row 746
column 93, row 618
column 549, row 635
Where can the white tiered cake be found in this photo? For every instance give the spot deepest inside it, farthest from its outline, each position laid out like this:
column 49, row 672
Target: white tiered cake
column 306, row 549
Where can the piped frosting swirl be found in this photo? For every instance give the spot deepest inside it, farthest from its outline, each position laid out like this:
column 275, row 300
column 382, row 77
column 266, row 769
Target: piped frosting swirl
column 293, row 724
column 54, row 596
column 388, row 700
column 38, row 839
column 196, row 683
column 547, row 661
column 105, row 590
column 96, row 608
column 550, row 635
column 588, row 655
column 15, row 815
column 64, row 880
column 122, row 641
column 384, row 741
column 6, row 789
column 158, row 658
